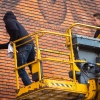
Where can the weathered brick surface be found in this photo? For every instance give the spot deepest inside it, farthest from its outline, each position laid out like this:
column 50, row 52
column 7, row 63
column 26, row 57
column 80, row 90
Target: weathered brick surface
column 51, row 15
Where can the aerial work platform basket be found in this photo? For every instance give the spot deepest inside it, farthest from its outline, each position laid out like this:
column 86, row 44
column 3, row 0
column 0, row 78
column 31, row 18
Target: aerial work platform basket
column 82, row 84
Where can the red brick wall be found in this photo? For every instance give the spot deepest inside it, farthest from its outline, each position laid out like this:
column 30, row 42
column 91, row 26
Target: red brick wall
column 51, row 15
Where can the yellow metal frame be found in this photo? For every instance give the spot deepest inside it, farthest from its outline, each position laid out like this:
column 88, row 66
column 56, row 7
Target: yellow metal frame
column 88, row 89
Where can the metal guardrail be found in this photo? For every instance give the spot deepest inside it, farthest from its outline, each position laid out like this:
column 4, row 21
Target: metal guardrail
column 67, row 35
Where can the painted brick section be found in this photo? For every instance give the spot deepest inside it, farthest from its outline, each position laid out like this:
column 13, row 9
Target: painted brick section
column 51, row 15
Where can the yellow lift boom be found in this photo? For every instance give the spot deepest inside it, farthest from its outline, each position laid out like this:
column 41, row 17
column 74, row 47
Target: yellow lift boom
column 57, row 89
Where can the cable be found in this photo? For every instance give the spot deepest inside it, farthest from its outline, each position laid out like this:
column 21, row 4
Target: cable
column 86, row 73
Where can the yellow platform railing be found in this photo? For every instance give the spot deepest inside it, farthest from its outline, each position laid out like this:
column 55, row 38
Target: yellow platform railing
column 67, row 35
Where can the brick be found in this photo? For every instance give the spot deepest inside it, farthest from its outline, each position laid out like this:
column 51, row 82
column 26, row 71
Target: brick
column 42, row 15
